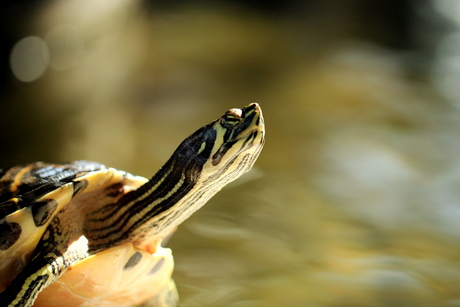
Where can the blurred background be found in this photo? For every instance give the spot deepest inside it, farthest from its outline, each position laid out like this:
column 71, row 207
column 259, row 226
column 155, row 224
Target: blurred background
column 354, row 200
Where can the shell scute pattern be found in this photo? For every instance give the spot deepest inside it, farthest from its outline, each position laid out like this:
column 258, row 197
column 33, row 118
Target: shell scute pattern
column 43, row 210
column 38, row 191
column 48, row 190
column 22, row 185
column 9, row 234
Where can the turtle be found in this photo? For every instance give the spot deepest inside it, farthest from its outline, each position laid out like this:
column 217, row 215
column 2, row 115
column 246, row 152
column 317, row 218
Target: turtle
column 84, row 234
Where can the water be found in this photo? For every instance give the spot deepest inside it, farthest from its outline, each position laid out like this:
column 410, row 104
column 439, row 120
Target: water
column 354, row 200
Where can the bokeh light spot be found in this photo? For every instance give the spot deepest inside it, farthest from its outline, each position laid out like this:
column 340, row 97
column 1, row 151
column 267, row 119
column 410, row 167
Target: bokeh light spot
column 29, row 58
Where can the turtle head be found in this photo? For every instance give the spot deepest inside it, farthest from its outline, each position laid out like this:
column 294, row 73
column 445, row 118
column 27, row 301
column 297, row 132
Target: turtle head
column 203, row 164
column 224, row 149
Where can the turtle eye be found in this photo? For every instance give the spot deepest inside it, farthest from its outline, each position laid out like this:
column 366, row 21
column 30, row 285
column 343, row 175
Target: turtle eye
column 231, row 119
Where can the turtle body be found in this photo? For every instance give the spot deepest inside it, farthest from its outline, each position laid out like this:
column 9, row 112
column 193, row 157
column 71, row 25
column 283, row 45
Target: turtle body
column 83, row 234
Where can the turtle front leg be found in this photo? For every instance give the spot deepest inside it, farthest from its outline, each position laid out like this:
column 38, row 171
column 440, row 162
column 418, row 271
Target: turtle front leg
column 42, row 271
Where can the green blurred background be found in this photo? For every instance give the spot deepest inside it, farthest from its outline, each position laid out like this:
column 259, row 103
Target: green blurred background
column 354, row 200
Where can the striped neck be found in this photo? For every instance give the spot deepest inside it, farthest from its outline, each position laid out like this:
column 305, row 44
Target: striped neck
column 146, row 212
column 202, row 164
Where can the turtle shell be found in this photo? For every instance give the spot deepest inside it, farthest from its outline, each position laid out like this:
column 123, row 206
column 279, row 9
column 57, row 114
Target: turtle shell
column 31, row 196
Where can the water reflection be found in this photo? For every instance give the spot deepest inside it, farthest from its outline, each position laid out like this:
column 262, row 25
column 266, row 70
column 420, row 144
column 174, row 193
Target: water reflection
column 354, row 200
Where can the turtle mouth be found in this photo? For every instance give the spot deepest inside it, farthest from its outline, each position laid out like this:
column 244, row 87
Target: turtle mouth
column 252, row 122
